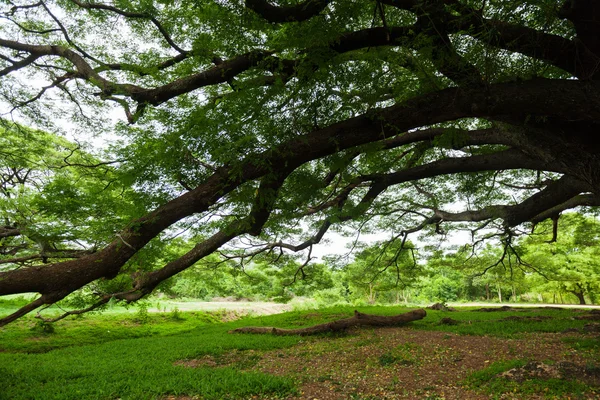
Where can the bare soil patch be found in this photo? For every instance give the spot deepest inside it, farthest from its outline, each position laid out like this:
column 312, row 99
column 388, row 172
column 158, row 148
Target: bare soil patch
column 393, row 363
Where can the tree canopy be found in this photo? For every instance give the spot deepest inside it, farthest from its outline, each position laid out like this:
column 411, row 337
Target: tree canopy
column 567, row 256
column 262, row 125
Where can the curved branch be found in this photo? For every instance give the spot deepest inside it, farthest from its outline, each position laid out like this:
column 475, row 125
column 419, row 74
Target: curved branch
column 507, row 159
column 563, row 53
column 105, row 299
column 128, row 14
column 144, row 71
column 556, row 193
column 589, row 200
column 297, row 13
column 534, row 97
column 16, row 65
column 569, row 55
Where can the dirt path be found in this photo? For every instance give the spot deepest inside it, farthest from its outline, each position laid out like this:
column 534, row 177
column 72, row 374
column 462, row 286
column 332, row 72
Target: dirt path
column 268, row 308
column 525, row 305
column 250, row 307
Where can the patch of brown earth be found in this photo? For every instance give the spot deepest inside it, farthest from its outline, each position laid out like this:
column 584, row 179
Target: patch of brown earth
column 591, row 316
column 236, row 358
column 392, row 363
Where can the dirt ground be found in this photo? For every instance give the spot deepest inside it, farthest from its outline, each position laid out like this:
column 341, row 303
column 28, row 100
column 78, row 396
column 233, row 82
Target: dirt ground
column 397, row 363
column 243, row 307
column 267, row 308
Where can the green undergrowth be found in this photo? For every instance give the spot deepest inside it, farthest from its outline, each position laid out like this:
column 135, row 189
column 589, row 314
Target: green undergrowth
column 488, row 381
column 473, row 322
column 34, row 336
column 138, row 367
column 133, row 356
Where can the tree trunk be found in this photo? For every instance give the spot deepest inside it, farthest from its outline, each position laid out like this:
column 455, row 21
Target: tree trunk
column 500, row 294
column 359, row 319
column 372, row 294
column 487, row 291
column 580, row 293
column 580, row 296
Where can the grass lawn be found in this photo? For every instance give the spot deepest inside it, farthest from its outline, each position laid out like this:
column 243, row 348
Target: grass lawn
column 185, row 355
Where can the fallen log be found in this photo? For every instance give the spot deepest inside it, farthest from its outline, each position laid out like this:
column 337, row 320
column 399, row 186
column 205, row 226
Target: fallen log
column 496, row 309
column 359, row 319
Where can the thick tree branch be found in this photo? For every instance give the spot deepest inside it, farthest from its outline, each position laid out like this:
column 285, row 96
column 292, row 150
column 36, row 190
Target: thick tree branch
column 359, row 319
column 536, row 97
column 8, row 231
column 553, row 195
column 300, row 12
column 40, row 301
column 581, row 200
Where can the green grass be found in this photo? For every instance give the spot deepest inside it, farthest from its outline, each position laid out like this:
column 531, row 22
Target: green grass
column 488, row 381
column 136, row 368
column 472, row 322
column 132, row 356
column 29, row 336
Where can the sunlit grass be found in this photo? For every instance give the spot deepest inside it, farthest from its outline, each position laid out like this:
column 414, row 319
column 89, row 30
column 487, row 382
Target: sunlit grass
column 489, row 381
column 132, row 355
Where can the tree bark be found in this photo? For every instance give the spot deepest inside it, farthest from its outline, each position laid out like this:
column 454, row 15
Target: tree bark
column 580, row 296
column 359, row 319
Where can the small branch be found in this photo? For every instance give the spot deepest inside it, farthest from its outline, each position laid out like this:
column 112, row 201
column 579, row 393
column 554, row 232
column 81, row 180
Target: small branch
column 128, row 14
column 22, row 311
column 105, row 299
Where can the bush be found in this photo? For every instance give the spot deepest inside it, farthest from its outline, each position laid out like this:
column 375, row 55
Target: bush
column 43, row 327
column 328, row 297
column 440, row 288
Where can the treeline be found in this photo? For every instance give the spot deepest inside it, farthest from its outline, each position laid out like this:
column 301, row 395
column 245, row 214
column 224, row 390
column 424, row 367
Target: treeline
column 555, row 264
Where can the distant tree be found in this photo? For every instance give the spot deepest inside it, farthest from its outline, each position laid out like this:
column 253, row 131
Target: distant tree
column 444, row 279
column 384, row 271
column 567, row 254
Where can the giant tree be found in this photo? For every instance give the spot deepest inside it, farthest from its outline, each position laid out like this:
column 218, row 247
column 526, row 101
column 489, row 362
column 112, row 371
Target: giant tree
column 260, row 126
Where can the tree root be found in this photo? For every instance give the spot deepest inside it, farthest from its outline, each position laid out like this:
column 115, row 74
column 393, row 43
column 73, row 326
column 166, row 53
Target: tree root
column 359, row 319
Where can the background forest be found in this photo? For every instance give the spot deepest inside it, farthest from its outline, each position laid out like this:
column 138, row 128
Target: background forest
column 563, row 271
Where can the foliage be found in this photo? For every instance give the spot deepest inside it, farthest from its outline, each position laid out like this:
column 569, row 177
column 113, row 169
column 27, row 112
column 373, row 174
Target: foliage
column 570, row 264
column 382, row 270
column 53, row 203
column 249, row 130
